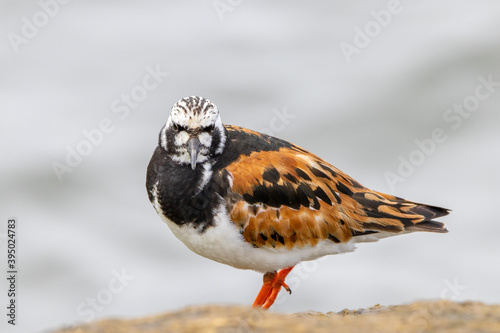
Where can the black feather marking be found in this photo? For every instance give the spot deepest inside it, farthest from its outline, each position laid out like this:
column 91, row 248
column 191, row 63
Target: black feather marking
column 281, row 239
column 292, row 199
column 310, row 193
column 276, row 196
column 302, row 196
column 406, row 222
column 318, row 173
column 291, row 178
column 322, row 195
column 328, row 169
column 277, row 237
column 307, row 190
column 357, row 185
column 362, row 233
column 302, row 174
column 261, row 194
column 271, row 175
column 249, row 198
column 429, row 212
column 335, row 195
column 316, row 205
column 333, row 238
column 344, row 189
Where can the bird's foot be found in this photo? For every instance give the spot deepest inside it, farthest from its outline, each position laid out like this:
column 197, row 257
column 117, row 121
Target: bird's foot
column 273, row 281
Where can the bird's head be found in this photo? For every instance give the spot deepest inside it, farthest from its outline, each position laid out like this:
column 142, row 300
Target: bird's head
column 194, row 131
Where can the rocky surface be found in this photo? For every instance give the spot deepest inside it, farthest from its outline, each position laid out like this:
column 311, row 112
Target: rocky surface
column 440, row 316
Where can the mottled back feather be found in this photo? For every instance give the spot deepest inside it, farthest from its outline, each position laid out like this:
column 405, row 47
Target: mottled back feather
column 288, row 197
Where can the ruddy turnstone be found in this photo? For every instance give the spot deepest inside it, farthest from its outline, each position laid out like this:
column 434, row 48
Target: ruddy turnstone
column 253, row 201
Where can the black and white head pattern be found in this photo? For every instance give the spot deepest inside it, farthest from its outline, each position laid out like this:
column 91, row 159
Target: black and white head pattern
column 193, row 119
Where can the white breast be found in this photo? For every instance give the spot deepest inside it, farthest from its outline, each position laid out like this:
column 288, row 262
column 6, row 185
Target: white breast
column 224, row 243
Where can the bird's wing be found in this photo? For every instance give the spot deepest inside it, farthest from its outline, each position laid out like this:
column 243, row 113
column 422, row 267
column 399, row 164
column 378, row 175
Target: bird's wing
column 292, row 198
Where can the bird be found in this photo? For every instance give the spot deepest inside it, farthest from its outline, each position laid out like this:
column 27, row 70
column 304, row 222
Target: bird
column 257, row 202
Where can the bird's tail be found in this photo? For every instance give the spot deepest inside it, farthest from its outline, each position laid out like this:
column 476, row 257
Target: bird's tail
column 412, row 216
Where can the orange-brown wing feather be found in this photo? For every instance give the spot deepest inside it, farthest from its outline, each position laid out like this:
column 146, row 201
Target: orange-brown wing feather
column 292, row 198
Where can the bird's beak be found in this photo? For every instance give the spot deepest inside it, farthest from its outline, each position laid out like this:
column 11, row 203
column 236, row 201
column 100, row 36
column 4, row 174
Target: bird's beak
column 193, row 146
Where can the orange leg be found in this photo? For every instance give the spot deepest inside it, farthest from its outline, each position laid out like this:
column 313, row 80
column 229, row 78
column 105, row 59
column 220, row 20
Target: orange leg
column 273, row 281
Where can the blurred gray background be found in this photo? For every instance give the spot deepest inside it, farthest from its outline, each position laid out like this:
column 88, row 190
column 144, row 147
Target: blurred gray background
column 66, row 67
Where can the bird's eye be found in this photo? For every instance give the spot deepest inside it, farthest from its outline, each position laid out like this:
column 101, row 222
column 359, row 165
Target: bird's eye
column 178, row 127
column 209, row 128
